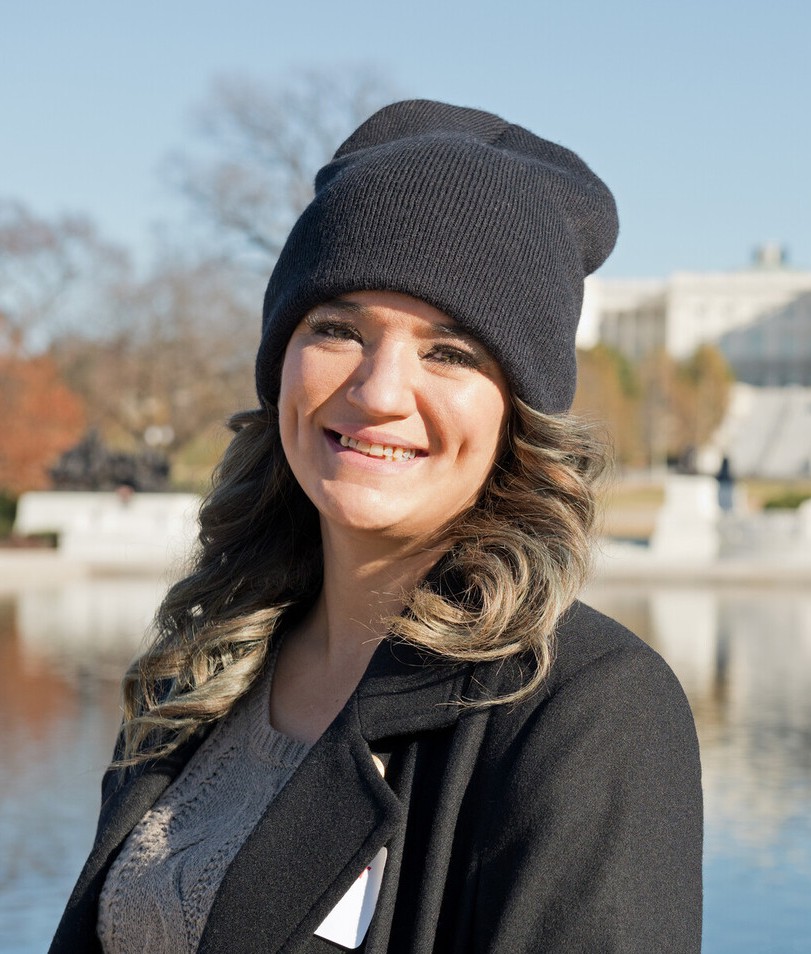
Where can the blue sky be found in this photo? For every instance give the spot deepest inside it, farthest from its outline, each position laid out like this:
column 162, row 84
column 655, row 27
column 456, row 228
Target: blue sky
column 695, row 113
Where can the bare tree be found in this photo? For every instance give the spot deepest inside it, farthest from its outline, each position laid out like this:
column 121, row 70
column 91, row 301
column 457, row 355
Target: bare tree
column 54, row 275
column 158, row 359
column 263, row 147
column 178, row 358
column 154, row 360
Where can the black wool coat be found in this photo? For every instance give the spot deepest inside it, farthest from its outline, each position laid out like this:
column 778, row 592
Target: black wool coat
column 571, row 822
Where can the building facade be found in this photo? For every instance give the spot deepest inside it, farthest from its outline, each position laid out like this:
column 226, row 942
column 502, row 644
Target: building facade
column 759, row 317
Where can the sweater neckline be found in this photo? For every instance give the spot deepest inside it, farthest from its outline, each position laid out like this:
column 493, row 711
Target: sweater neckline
column 264, row 741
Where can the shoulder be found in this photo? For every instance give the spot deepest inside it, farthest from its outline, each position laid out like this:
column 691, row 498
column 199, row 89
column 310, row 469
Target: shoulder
column 592, row 653
column 602, row 665
column 610, row 742
column 609, row 699
column 586, row 638
column 595, row 653
column 595, row 786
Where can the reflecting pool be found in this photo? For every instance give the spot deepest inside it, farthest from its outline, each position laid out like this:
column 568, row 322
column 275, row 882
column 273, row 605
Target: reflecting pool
column 744, row 658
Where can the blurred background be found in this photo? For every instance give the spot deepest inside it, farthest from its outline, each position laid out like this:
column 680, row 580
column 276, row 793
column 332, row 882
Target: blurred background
column 153, row 159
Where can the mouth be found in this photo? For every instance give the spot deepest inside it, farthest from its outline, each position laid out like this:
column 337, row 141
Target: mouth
column 392, row 452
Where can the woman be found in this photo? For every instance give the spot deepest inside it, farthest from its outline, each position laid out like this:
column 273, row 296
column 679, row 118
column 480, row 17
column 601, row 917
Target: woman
column 375, row 714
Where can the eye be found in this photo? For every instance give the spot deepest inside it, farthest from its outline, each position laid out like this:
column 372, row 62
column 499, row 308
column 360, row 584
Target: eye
column 453, row 355
column 332, row 328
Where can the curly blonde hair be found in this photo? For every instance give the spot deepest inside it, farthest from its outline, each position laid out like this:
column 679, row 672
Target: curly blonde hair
column 518, row 559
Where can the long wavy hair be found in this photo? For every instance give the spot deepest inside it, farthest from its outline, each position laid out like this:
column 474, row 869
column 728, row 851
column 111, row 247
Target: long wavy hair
column 517, row 559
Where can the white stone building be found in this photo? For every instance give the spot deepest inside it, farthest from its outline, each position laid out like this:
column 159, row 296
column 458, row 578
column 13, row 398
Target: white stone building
column 687, row 309
column 775, row 349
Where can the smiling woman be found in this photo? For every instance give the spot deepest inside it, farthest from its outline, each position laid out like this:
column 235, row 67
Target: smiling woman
column 375, row 715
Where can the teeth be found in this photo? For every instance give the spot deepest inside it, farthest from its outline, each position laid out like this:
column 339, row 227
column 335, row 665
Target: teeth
column 378, row 450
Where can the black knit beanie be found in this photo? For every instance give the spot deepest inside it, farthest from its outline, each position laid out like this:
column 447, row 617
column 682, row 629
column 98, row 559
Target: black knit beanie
column 479, row 218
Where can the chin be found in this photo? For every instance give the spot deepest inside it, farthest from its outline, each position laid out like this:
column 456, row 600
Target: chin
column 382, row 524
column 363, row 516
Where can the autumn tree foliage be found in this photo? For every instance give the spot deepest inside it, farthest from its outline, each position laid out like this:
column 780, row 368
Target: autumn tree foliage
column 41, row 418
column 658, row 411
column 707, row 378
column 150, row 361
column 683, row 402
column 608, row 392
column 53, row 274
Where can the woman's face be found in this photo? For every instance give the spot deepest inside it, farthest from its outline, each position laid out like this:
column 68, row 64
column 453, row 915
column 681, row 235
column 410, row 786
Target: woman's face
column 391, row 416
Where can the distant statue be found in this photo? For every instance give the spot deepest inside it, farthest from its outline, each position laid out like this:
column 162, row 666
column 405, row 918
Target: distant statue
column 686, row 462
column 91, row 465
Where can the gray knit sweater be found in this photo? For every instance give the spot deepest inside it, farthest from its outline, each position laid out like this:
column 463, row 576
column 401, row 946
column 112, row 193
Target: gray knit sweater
column 160, row 889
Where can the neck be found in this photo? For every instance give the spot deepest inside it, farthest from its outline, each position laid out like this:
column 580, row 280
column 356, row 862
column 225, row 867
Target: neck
column 324, row 657
column 366, row 581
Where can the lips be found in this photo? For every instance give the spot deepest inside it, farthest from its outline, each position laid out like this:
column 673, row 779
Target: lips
column 385, row 451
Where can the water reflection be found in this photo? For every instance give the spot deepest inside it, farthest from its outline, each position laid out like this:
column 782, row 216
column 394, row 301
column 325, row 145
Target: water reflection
column 62, row 652
column 95, row 623
column 743, row 658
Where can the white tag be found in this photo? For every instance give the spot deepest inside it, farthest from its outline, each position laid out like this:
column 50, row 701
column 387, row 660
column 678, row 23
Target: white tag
column 348, row 921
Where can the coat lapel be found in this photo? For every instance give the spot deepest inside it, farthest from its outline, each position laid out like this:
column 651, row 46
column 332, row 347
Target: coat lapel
column 316, row 837
column 333, row 816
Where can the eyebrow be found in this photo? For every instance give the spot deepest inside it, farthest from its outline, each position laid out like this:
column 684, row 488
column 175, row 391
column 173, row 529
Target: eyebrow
column 442, row 331
column 341, row 304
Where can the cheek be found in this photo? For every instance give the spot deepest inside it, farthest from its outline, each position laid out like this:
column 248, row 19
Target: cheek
column 286, row 404
column 310, row 377
column 294, row 405
column 301, row 387
column 480, row 418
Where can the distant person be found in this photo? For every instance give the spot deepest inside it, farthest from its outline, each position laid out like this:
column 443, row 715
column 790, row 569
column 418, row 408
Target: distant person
column 375, row 715
column 726, row 485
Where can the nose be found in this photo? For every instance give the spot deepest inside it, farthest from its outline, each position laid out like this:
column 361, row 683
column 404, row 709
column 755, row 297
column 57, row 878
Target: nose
column 383, row 383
